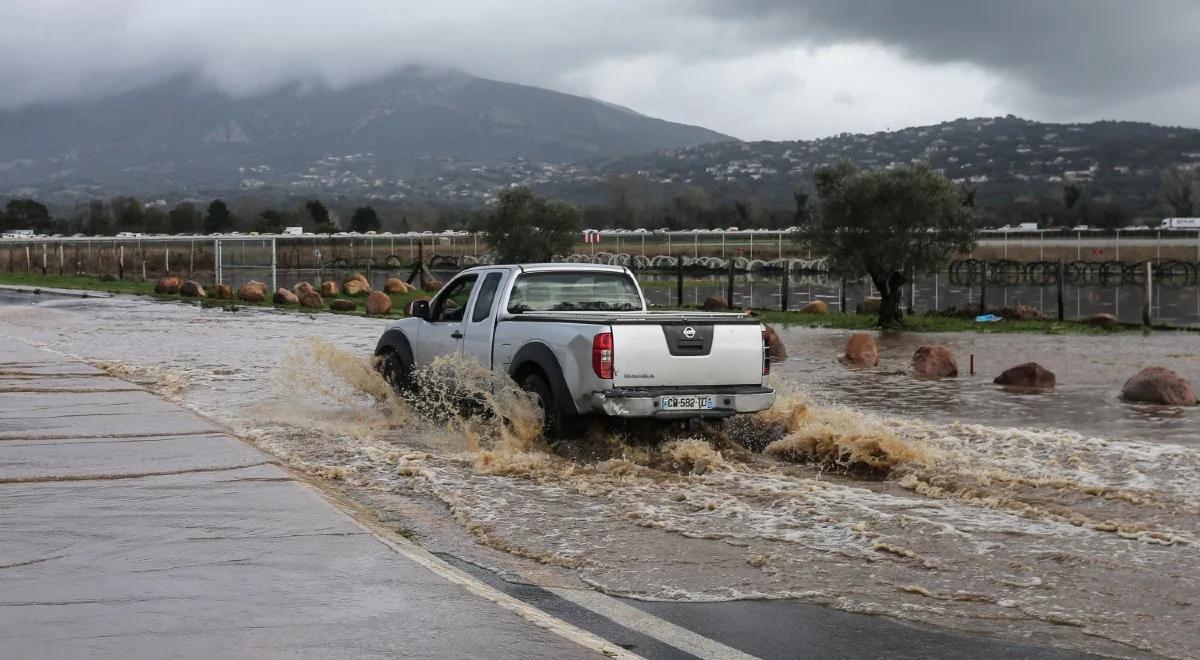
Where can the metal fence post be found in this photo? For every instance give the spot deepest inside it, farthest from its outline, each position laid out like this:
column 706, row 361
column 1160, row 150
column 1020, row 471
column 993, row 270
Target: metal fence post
column 679, row 279
column 783, row 291
column 1148, row 300
column 1059, row 280
column 729, row 286
column 274, row 278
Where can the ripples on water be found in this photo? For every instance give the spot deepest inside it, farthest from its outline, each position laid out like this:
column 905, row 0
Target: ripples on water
column 1069, row 517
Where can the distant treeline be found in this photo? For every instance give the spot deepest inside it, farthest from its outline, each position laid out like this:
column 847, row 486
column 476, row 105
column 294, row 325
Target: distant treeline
column 626, row 208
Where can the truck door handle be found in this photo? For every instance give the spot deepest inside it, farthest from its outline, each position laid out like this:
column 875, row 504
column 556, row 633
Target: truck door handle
column 456, row 335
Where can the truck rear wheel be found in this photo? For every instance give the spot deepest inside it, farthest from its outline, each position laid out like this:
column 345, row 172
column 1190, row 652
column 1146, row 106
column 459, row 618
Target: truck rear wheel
column 543, row 398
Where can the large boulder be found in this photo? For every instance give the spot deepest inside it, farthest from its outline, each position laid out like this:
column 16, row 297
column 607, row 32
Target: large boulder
column 311, row 300
column 253, row 291
column 1101, row 320
column 190, row 289
column 1028, row 375
column 1161, row 386
column 869, row 306
column 861, row 350
column 396, row 285
column 222, row 291
column 168, row 285
column 302, row 288
column 355, row 287
column 343, row 305
column 714, row 304
column 935, row 362
column 330, row 288
column 284, row 297
column 378, row 303
column 775, row 345
column 815, row 307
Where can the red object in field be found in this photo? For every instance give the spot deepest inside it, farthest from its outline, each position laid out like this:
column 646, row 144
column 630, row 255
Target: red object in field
column 602, row 355
column 1097, row 251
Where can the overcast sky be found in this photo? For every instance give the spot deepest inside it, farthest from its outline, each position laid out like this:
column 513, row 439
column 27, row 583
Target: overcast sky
column 756, row 69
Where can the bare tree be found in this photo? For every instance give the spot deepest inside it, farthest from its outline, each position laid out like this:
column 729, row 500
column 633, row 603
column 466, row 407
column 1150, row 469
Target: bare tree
column 1181, row 187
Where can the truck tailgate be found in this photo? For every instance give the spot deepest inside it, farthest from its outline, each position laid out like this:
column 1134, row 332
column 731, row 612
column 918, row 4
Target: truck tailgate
column 687, row 354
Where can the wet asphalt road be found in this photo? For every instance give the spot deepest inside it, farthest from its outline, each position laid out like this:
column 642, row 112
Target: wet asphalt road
column 135, row 529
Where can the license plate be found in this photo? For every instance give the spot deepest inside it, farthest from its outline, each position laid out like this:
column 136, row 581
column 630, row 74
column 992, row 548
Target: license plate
column 693, row 402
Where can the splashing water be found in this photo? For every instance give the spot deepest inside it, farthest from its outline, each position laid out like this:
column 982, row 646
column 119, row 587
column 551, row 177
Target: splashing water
column 833, row 437
column 959, row 513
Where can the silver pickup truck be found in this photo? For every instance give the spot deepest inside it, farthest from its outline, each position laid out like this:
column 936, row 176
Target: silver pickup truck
column 580, row 339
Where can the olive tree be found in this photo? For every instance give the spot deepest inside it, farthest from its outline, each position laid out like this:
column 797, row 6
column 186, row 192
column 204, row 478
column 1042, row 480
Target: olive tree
column 1181, row 187
column 526, row 228
column 889, row 225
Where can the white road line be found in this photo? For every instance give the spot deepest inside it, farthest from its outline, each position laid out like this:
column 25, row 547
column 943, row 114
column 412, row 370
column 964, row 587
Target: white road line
column 439, row 567
column 664, row 631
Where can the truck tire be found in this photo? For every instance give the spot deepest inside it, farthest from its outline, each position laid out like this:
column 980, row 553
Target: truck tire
column 397, row 371
column 543, row 398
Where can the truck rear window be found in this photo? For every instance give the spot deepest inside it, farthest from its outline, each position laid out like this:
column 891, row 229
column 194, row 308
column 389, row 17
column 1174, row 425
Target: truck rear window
column 574, row 292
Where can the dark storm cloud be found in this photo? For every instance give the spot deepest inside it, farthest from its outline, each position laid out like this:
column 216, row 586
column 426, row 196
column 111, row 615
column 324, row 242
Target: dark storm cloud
column 1067, row 50
column 753, row 68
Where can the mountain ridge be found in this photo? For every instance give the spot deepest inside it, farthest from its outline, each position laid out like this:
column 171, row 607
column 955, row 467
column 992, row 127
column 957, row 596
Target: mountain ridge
column 183, row 133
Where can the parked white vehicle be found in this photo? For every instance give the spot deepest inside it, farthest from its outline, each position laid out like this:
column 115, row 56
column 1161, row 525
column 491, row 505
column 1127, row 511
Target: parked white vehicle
column 1180, row 223
column 579, row 337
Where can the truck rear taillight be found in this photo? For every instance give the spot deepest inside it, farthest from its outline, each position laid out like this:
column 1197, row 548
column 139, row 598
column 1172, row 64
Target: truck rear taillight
column 766, row 353
column 602, row 355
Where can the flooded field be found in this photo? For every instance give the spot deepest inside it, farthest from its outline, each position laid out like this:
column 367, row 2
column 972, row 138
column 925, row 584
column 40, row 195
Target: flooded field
column 1067, row 518
column 1173, row 305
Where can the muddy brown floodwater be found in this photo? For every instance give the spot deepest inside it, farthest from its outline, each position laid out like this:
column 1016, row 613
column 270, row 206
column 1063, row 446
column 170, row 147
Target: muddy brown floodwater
column 1068, row 518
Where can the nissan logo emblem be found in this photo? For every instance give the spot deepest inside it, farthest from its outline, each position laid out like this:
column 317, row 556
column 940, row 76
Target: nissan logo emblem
column 689, row 332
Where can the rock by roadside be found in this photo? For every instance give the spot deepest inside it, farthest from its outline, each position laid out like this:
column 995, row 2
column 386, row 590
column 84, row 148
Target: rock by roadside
column 861, row 350
column 1028, row 375
column 1161, row 386
column 935, row 362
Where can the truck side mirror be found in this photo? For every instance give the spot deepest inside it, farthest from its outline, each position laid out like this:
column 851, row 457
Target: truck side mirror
column 419, row 309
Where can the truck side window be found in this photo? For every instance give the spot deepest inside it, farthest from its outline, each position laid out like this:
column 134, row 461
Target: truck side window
column 487, row 295
column 451, row 303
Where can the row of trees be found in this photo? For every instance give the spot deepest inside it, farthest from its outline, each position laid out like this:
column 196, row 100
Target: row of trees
column 1078, row 205
column 127, row 214
column 888, row 225
column 631, row 202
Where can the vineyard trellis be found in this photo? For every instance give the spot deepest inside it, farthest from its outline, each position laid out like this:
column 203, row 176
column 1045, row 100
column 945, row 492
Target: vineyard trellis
column 1006, row 272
